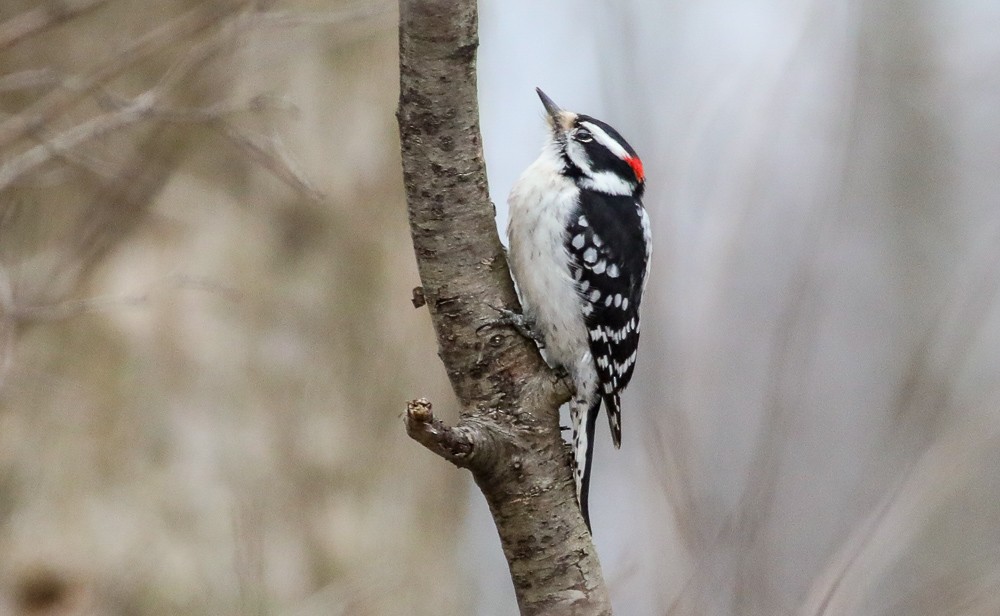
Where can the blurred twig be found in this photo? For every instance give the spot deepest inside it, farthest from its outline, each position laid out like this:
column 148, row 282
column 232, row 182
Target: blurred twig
column 342, row 16
column 31, row 78
column 12, row 311
column 72, row 308
column 126, row 186
column 924, row 397
column 271, row 154
column 60, row 100
column 18, row 166
column 40, row 18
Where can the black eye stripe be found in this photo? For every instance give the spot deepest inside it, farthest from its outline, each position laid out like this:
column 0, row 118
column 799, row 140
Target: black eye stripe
column 583, row 135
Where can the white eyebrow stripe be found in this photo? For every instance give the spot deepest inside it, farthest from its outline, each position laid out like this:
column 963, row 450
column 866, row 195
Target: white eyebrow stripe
column 604, row 139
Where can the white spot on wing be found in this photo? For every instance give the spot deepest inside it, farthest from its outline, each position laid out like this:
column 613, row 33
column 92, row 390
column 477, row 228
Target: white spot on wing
column 578, row 241
column 590, row 255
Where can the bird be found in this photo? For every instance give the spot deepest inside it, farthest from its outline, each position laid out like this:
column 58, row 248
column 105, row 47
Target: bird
column 579, row 248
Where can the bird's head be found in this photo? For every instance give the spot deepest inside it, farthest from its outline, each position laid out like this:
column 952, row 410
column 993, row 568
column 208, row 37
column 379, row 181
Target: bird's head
column 593, row 153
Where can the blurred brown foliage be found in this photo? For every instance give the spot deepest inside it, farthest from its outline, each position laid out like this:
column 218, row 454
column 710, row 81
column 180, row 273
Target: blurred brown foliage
column 205, row 328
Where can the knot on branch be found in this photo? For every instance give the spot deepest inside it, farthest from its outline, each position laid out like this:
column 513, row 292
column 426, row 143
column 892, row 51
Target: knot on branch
column 457, row 445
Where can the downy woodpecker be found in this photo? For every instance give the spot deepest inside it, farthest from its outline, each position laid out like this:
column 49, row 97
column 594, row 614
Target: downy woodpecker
column 579, row 249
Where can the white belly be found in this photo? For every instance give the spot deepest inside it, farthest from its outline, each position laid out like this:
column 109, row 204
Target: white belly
column 541, row 203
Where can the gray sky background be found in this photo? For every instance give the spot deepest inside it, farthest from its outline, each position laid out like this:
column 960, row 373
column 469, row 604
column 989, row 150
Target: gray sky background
column 817, row 331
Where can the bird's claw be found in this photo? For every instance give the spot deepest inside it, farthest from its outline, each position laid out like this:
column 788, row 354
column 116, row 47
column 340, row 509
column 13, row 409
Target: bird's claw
column 524, row 325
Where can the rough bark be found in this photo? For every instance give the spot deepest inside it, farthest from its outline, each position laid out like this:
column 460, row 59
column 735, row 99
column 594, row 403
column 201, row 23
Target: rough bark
column 508, row 435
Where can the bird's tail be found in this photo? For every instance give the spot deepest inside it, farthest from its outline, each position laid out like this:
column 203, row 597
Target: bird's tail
column 612, row 406
column 584, row 417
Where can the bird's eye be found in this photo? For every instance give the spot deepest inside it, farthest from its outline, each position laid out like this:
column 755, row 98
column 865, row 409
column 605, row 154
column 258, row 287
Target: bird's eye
column 583, row 135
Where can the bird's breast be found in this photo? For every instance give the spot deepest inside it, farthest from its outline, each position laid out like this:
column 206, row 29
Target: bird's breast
column 542, row 203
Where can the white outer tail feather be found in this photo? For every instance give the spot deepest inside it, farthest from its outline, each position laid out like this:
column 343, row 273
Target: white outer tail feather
column 583, row 417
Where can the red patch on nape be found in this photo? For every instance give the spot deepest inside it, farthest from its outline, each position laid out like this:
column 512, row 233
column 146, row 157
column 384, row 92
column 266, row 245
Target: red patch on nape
column 636, row 164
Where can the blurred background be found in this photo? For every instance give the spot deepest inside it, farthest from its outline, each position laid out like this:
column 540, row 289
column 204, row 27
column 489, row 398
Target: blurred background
column 206, row 338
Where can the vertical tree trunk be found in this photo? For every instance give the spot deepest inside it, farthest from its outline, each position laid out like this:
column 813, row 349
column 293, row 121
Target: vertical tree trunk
column 508, row 436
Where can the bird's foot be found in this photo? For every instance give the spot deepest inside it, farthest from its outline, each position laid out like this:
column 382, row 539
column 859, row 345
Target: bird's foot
column 524, row 325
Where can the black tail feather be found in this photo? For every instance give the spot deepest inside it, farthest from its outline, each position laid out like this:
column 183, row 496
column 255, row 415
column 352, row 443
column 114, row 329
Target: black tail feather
column 584, row 486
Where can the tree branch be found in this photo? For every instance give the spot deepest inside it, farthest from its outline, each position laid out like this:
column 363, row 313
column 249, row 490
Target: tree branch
column 508, row 435
column 456, row 445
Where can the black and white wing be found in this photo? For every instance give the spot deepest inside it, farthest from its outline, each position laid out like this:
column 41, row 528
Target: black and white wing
column 609, row 246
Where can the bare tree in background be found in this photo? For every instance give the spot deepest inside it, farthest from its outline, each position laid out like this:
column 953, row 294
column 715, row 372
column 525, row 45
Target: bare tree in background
column 120, row 148
column 816, row 391
column 206, row 335
column 822, row 421
column 188, row 322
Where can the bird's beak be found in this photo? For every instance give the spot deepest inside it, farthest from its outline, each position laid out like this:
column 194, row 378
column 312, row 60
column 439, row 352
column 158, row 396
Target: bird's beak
column 550, row 106
column 558, row 118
